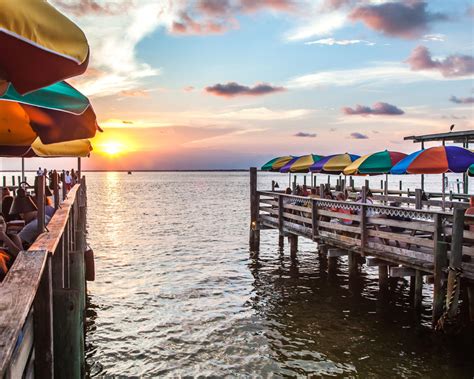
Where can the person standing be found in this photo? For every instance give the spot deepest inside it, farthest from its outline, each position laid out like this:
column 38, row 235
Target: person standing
column 39, row 172
column 68, row 181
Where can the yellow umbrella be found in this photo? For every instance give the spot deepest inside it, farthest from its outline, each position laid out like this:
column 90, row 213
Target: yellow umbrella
column 33, row 34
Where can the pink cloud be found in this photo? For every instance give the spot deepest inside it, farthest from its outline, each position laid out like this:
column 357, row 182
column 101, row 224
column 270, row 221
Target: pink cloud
column 233, row 89
column 187, row 25
column 188, row 89
column 453, row 65
column 381, row 109
column 278, row 5
column 462, row 100
column 85, row 7
column 397, row 19
column 134, row 93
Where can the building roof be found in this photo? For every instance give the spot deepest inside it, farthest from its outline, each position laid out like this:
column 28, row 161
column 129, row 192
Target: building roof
column 457, row 137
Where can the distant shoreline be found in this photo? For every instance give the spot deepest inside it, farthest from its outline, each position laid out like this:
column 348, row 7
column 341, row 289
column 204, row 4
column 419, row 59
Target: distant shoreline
column 204, row 170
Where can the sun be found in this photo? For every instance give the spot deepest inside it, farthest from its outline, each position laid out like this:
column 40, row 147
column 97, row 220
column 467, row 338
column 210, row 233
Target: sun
column 112, row 148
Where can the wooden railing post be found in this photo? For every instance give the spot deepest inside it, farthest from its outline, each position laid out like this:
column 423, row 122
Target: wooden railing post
column 56, row 189
column 281, row 219
column 440, row 263
column 63, row 182
column 454, row 282
column 43, row 324
column 418, row 198
column 314, row 218
column 363, row 228
column 40, row 203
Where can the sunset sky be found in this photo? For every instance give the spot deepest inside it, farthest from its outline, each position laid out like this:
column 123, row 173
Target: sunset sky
column 231, row 83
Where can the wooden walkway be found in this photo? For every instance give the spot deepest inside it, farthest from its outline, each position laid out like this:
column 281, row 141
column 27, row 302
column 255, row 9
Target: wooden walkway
column 401, row 241
column 42, row 299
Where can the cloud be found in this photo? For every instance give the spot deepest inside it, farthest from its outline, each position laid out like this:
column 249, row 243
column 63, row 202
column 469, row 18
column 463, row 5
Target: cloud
column 304, row 134
column 323, row 24
column 462, row 100
column 408, row 19
column 357, row 135
column 113, row 33
column 189, row 26
column 233, row 89
column 87, row 7
column 264, row 114
column 188, row 89
column 379, row 74
column 438, row 37
column 341, row 42
column 134, row 93
column 382, row 109
column 452, row 66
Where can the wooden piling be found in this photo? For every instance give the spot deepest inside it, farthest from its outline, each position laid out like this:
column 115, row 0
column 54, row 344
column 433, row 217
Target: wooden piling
column 440, row 263
column 293, row 245
column 418, row 198
column 455, row 259
column 352, row 262
column 43, row 325
column 254, row 238
column 383, row 277
column 418, row 293
column 67, row 334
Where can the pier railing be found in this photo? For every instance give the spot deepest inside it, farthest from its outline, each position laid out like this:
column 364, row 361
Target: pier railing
column 42, row 299
column 401, row 240
column 395, row 234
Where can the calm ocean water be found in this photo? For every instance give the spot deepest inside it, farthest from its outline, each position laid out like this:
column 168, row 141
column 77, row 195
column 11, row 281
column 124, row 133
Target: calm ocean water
column 177, row 294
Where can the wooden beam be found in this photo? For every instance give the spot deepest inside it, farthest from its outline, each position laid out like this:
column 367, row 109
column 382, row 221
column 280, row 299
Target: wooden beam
column 335, row 253
column 401, row 272
column 455, row 259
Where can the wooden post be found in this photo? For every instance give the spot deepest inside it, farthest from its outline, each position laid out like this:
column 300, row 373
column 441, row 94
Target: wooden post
column 293, row 245
column 440, row 263
column 383, row 277
column 43, row 324
column 78, row 282
column 63, row 181
column 56, row 190
column 314, row 181
column 454, row 282
column 79, row 168
column 281, row 221
column 13, row 180
column 321, row 190
column 352, row 262
column 254, row 238
column 385, row 191
column 304, row 179
column 40, row 203
column 4, row 181
column 418, row 295
column 281, row 241
column 314, row 219
column 367, row 186
column 273, row 186
column 67, row 334
column 364, row 194
column 418, row 198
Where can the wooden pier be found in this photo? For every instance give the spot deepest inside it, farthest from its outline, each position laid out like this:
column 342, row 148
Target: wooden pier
column 43, row 296
column 413, row 242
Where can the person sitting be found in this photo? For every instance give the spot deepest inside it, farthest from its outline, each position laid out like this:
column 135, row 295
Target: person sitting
column 314, row 193
column 341, row 197
column 304, row 190
column 10, row 245
column 26, row 208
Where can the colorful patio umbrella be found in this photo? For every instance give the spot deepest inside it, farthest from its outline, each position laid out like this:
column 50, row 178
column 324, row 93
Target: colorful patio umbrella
column 470, row 170
column 39, row 46
column 374, row 164
column 301, row 164
column 435, row 160
column 56, row 113
column 333, row 164
column 78, row 148
column 276, row 164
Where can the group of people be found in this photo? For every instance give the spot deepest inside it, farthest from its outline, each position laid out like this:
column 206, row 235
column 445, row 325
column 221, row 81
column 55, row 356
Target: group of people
column 69, row 178
column 19, row 219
